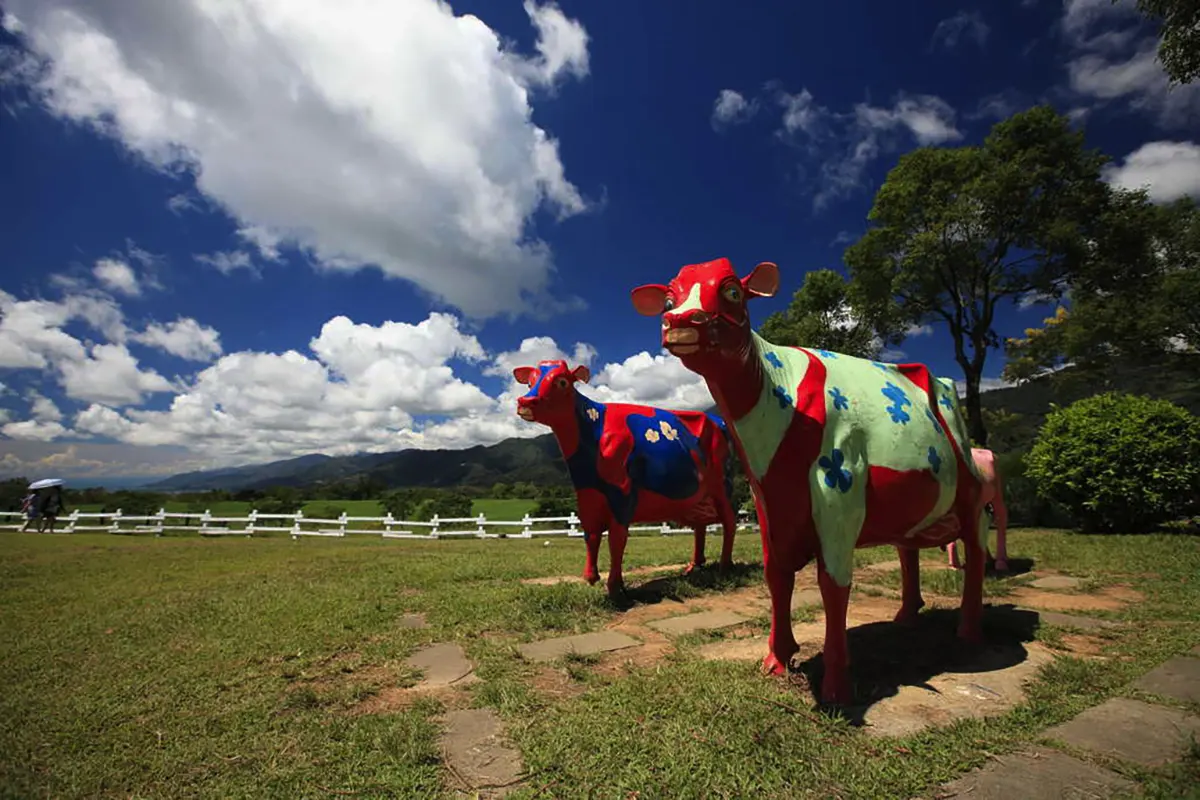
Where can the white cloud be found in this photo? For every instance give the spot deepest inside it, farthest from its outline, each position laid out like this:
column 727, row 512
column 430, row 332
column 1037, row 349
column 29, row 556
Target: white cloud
column 184, row 337
column 117, row 276
column 110, row 374
column 227, row 261
column 1113, row 57
column 730, row 108
column 42, row 408
column 918, row 330
column 34, row 430
column 378, row 133
column 1167, row 170
column 985, row 385
column 840, row 147
column 961, row 27
column 657, row 380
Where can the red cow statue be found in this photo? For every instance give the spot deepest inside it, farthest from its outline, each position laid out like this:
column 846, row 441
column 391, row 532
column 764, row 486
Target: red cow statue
column 840, row 452
column 993, row 494
column 633, row 463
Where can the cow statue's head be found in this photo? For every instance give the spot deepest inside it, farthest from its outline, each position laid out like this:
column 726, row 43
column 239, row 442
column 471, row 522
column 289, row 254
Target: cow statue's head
column 551, row 395
column 703, row 309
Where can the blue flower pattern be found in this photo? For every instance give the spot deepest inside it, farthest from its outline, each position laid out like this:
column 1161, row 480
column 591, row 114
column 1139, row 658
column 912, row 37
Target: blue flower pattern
column 826, row 353
column 935, row 460
column 840, row 401
column 836, row 477
column 937, row 426
column 881, row 365
column 774, row 361
column 947, row 402
column 899, row 401
column 782, row 396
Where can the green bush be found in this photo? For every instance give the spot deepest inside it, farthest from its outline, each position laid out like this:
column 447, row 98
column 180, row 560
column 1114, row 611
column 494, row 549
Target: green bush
column 1119, row 462
column 1025, row 506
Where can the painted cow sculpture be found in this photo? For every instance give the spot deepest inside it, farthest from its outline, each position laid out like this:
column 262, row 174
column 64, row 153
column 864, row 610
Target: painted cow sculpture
column 993, row 495
column 633, row 463
column 840, row 453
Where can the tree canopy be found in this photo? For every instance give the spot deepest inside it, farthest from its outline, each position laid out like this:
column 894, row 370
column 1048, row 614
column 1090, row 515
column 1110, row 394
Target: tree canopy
column 954, row 231
column 822, row 315
column 1179, row 36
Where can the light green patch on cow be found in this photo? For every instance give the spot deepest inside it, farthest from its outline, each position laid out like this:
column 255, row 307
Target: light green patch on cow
column 764, row 427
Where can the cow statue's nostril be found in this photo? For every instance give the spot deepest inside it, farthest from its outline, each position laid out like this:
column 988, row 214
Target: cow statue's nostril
column 699, row 317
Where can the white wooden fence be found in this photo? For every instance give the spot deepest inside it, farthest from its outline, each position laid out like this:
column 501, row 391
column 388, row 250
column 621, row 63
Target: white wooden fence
column 298, row 525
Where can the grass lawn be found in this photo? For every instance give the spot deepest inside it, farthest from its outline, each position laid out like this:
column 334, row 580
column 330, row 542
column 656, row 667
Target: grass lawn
column 186, row 667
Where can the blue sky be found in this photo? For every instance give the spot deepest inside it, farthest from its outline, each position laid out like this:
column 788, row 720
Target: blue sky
column 242, row 231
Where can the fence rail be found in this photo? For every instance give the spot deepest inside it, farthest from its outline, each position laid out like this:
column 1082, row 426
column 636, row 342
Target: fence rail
column 298, row 525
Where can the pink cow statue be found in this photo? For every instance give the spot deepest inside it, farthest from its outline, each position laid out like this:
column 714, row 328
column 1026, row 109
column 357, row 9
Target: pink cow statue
column 993, row 494
column 840, row 453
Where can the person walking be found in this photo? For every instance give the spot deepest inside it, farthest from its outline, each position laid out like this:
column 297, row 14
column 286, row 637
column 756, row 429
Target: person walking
column 51, row 506
column 29, row 509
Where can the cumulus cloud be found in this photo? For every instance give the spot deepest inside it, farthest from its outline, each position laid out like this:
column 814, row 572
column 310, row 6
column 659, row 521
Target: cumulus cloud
column 1113, row 59
column 117, row 276
column 396, row 135
column 961, row 27
column 1167, row 170
column 839, row 147
column 184, row 337
column 730, row 108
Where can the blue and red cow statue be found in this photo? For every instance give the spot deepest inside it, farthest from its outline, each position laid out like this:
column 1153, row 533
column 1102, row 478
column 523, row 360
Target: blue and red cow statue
column 840, row 453
column 633, row 463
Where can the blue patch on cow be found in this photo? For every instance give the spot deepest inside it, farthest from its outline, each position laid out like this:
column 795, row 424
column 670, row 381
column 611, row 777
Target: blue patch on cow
column 826, row 353
column 836, row 477
column 881, row 365
column 937, row 426
column 543, row 370
column 774, row 361
column 782, row 396
column 840, row 401
column 666, row 456
column 899, row 401
column 935, row 460
column 947, row 402
column 584, row 463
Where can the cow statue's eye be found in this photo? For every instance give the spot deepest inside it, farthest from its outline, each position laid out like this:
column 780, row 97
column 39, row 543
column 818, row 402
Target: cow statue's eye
column 668, row 304
column 561, row 383
column 732, row 293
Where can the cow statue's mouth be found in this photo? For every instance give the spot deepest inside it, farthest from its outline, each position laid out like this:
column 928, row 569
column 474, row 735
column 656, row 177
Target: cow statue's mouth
column 525, row 413
column 682, row 341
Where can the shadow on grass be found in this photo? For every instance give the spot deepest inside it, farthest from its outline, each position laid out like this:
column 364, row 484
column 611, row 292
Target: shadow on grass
column 680, row 587
column 1016, row 566
column 885, row 656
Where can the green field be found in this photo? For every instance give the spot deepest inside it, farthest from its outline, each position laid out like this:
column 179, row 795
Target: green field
column 187, row 667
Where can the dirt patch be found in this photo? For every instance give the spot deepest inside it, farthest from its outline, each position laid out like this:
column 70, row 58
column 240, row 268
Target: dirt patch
column 1112, row 598
column 1084, row 646
column 555, row 683
column 392, row 699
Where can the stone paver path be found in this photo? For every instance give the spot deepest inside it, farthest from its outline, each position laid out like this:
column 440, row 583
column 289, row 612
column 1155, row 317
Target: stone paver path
column 1073, row 620
column 477, row 755
column 442, row 665
column 583, row 644
column 1130, row 730
column 805, row 597
column 1034, row 774
column 1178, row 678
column 1056, row 582
column 703, row 621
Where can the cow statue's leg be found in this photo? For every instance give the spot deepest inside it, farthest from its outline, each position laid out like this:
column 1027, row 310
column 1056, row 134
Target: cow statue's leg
column 591, row 538
column 911, row 602
column 728, row 531
column 698, row 534
column 618, row 534
column 835, row 686
column 970, row 625
column 1001, row 518
column 781, row 645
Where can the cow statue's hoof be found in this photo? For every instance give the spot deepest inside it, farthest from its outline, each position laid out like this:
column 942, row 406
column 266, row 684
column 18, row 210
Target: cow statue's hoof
column 725, row 567
column 970, row 633
column 773, row 666
column 907, row 615
column 835, row 689
column 616, row 590
column 1001, row 566
column 591, row 577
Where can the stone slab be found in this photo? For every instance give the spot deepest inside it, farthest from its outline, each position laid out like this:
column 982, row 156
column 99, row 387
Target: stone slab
column 1056, row 582
column 1178, row 678
column 474, row 747
column 442, row 665
column 1072, row 620
column 413, row 621
column 1130, row 730
column 583, row 644
column 690, row 623
column 1037, row 774
column 805, row 597
column 952, row 696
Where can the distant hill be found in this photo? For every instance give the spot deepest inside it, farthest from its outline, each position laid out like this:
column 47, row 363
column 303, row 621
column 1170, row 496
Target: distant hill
column 538, row 460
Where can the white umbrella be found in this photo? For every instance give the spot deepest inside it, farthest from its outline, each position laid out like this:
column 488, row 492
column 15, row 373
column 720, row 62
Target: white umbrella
column 45, row 483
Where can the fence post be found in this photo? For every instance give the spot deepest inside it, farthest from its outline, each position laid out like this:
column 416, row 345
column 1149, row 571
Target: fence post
column 204, row 519
column 527, row 526
column 253, row 519
column 72, row 520
column 296, row 526
column 479, row 525
column 572, row 521
column 388, row 522
column 665, row 529
column 342, row 524
column 433, row 532
column 160, row 522
column 114, row 526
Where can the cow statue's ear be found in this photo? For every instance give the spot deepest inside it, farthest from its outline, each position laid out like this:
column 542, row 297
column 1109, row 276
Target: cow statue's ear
column 649, row 300
column 763, row 280
column 581, row 374
column 524, row 375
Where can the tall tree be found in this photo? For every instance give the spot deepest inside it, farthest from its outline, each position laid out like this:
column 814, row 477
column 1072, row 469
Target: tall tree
column 1135, row 300
column 1179, row 36
column 956, row 231
column 822, row 314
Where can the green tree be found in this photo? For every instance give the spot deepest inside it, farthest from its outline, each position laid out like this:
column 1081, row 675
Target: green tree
column 1136, row 300
column 1179, row 36
column 399, row 503
column 12, row 491
column 822, row 315
column 957, row 230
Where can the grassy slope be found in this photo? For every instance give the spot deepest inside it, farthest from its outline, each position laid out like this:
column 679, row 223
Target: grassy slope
column 182, row 667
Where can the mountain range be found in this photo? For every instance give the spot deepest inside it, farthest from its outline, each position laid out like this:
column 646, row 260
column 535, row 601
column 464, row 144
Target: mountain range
column 1016, row 414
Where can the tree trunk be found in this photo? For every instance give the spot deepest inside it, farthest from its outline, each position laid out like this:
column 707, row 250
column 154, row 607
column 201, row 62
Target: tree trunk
column 975, row 427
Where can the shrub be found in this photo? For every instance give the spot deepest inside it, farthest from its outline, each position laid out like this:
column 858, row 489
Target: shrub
column 1119, row 462
column 1025, row 506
